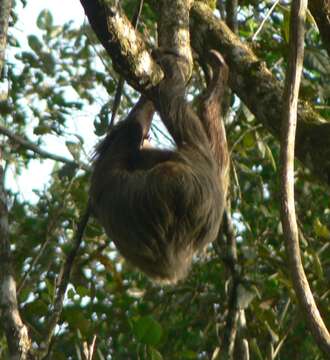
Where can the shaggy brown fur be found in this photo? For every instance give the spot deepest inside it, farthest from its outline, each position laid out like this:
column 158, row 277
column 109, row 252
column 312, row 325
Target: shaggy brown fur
column 160, row 207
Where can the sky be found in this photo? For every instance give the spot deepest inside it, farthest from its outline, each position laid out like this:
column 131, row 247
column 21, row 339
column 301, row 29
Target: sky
column 38, row 173
column 62, row 10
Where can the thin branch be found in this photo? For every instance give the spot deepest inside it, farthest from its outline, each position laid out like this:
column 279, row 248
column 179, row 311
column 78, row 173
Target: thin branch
column 51, row 228
column 28, row 144
column 155, row 129
column 288, row 214
column 233, row 342
column 88, row 350
column 264, row 20
column 63, row 284
column 241, row 137
column 230, row 260
column 21, row 284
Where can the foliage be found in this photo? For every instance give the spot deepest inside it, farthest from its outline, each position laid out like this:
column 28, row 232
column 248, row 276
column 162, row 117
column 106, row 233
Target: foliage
column 62, row 74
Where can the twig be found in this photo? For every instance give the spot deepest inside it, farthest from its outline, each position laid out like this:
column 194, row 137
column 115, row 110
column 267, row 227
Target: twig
column 288, row 214
column 264, row 20
column 88, row 350
column 63, row 284
column 28, row 144
column 49, row 232
column 241, row 137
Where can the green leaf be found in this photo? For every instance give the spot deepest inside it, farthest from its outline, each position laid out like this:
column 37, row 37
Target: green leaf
column 34, row 43
column 189, row 355
column 45, row 20
column 48, row 63
column 317, row 265
column 147, row 330
column 42, row 130
column 249, row 141
column 155, row 354
column 70, row 294
column 321, row 230
column 256, row 350
column 82, row 291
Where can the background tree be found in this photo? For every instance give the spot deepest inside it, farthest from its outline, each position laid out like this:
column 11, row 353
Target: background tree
column 239, row 296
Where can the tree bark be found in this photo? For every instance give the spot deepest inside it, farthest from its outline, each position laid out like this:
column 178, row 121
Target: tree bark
column 126, row 47
column 174, row 30
column 260, row 91
column 288, row 213
column 320, row 10
column 5, row 8
column 249, row 77
column 16, row 332
column 19, row 343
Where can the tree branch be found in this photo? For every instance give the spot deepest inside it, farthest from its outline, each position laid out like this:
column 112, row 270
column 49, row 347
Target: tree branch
column 320, row 10
column 288, row 214
column 63, row 285
column 28, row 144
column 230, row 331
column 121, row 81
column 249, row 77
column 5, row 8
column 173, row 31
column 126, row 47
column 231, row 15
column 260, row 91
column 233, row 343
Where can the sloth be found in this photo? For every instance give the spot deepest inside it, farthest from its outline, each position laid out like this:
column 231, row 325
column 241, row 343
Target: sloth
column 161, row 207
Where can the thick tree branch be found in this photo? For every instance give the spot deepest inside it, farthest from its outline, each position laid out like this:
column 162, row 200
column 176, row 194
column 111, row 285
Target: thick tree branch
column 28, row 144
column 5, row 7
column 174, row 30
column 320, row 10
column 121, row 81
column 250, row 79
column 19, row 343
column 126, row 47
column 288, row 214
column 260, row 91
